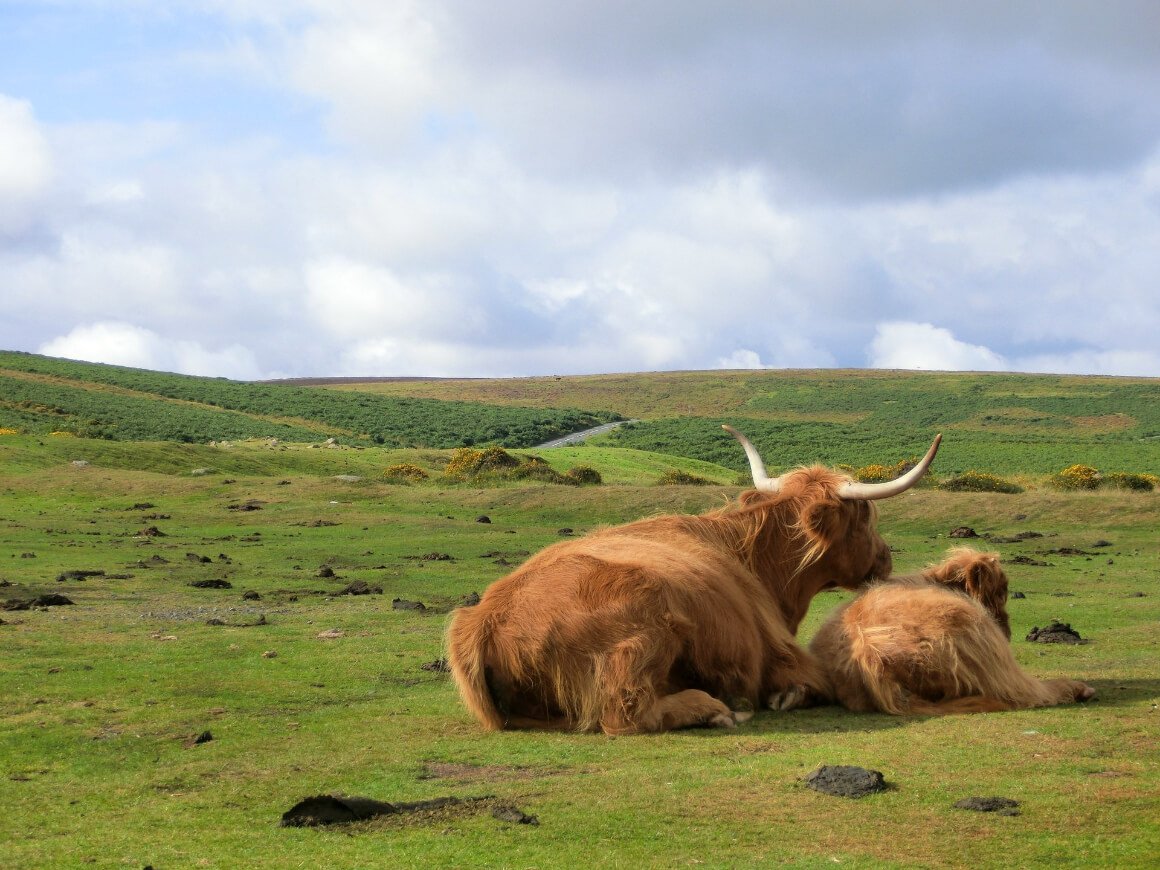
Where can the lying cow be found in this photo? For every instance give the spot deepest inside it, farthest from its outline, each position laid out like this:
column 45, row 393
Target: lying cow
column 932, row 644
column 664, row 623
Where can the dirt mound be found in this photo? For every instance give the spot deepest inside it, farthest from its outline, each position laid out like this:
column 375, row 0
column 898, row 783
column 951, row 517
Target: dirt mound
column 999, row 805
column 846, row 781
column 1057, row 632
column 327, row 809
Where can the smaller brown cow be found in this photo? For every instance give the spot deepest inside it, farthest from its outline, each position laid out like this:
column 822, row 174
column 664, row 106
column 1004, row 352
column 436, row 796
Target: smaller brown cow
column 932, row 644
column 672, row 621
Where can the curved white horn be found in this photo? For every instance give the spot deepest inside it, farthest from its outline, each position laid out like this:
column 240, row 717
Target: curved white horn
column 871, row 491
column 761, row 480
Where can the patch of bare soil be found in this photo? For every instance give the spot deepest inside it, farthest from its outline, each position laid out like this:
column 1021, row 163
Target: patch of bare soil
column 999, row 805
column 460, row 772
column 1027, row 560
column 326, row 810
column 1057, row 632
column 50, row 600
column 844, row 780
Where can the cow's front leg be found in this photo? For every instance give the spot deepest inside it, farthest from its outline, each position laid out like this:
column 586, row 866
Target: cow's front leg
column 799, row 681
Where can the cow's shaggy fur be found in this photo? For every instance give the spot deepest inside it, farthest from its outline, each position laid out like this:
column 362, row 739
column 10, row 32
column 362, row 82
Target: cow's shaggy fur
column 666, row 622
column 932, row 644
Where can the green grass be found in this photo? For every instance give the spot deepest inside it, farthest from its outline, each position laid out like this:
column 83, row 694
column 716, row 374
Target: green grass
column 99, row 705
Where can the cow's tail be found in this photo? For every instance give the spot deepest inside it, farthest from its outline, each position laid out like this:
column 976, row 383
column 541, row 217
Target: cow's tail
column 951, row 706
column 468, row 641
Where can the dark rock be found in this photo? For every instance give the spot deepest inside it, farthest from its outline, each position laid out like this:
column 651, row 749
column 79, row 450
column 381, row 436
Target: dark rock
column 326, row 571
column 151, row 532
column 215, row 621
column 470, row 600
column 438, row 666
column 1101, row 543
column 1018, row 595
column 212, row 584
column 846, row 781
column 1000, row 805
column 251, row 595
column 194, row 557
column 483, row 519
column 963, row 532
column 1057, row 632
column 565, row 532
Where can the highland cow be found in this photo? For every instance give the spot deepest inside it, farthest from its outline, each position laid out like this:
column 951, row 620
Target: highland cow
column 676, row 620
column 933, row 644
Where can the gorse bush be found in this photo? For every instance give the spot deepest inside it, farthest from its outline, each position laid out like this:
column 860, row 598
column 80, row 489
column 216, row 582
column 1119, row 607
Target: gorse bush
column 469, row 462
column 405, row 472
column 1127, row 480
column 496, row 464
column 876, row 473
column 675, row 477
column 1076, row 477
column 584, row 475
column 978, row 481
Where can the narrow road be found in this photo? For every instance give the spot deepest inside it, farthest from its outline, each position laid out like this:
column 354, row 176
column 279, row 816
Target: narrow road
column 579, row 437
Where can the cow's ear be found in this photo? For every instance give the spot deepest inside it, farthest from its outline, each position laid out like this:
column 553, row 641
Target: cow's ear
column 822, row 522
column 985, row 579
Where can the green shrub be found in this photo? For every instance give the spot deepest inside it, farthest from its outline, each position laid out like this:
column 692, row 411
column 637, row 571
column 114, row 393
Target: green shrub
column 1127, row 480
column 1076, row 477
column 405, row 472
column 584, row 475
column 675, row 477
column 978, row 481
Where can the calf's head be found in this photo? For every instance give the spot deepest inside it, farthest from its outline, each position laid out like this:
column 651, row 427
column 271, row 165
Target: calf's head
column 978, row 575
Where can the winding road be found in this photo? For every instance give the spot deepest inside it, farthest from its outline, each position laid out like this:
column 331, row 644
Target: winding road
column 580, row 437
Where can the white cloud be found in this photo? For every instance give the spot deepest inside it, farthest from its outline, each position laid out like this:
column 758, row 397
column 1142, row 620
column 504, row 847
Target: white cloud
column 124, row 344
column 741, row 359
column 25, row 162
column 923, row 346
column 519, row 188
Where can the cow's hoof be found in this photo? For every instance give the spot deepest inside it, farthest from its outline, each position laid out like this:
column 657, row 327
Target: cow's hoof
column 740, row 716
column 790, row 699
column 722, row 720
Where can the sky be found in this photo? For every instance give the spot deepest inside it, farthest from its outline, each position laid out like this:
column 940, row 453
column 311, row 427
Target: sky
column 287, row 188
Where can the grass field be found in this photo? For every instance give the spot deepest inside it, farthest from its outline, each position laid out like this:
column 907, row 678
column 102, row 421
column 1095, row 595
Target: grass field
column 305, row 690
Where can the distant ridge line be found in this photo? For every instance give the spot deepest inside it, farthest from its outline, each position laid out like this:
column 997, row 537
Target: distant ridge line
column 322, row 382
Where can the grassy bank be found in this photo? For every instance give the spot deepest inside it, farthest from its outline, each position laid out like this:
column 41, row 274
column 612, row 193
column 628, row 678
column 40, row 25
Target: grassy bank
column 305, row 690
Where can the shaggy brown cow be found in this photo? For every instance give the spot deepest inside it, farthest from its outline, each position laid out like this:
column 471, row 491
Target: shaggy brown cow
column 664, row 622
column 933, row 644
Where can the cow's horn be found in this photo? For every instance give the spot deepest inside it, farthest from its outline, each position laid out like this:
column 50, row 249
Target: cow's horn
column 761, row 480
column 871, row 491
